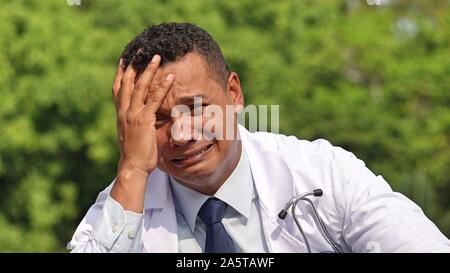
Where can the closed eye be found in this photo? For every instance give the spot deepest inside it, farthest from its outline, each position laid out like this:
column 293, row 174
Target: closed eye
column 197, row 109
column 161, row 120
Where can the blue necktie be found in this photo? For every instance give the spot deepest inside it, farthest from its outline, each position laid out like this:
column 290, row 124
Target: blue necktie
column 217, row 239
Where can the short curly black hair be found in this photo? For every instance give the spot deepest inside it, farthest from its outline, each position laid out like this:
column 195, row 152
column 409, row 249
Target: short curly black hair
column 172, row 41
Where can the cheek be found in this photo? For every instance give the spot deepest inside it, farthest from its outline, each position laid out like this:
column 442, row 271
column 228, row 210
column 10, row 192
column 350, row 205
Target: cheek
column 214, row 122
column 222, row 149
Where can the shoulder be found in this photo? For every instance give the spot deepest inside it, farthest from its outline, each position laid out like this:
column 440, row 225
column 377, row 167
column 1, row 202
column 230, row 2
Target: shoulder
column 294, row 148
column 308, row 156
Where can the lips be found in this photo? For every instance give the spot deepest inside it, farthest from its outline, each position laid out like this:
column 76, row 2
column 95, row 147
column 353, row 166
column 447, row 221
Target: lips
column 192, row 155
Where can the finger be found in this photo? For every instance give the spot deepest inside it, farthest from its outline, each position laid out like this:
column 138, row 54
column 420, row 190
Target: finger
column 118, row 78
column 141, row 87
column 126, row 88
column 155, row 98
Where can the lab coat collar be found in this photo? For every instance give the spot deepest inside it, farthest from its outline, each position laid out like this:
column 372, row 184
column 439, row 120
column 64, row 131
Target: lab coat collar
column 274, row 184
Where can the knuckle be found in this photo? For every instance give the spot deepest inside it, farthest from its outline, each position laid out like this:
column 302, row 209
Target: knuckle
column 125, row 80
column 121, row 120
column 121, row 114
column 130, row 118
column 116, row 86
column 114, row 93
column 154, row 97
column 139, row 85
column 134, row 118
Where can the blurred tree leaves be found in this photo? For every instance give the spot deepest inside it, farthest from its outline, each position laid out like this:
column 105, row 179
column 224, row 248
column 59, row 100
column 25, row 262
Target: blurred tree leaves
column 372, row 79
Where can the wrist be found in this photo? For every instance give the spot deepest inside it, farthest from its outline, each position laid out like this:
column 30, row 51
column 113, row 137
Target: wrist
column 125, row 174
column 128, row 168
column 129, row 189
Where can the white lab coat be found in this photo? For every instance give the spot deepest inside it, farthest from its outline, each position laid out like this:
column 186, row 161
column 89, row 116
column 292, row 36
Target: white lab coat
column 359, row 209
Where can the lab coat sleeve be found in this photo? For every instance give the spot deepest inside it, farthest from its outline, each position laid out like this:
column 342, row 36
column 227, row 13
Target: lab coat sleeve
column 377, row 219
column 107, row 227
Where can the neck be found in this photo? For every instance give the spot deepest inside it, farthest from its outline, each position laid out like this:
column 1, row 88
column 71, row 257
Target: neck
column 228, row 169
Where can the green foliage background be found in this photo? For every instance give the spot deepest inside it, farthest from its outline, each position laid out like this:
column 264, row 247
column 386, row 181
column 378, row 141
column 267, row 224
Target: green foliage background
column 372, row 79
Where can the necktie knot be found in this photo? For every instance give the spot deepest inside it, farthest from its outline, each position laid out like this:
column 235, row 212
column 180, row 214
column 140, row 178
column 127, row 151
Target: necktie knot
column 212, row 211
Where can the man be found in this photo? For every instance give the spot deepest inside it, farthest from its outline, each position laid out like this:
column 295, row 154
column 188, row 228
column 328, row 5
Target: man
column 216, row 194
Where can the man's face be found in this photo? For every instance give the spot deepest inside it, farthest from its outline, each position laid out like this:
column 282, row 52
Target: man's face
column 196, row 163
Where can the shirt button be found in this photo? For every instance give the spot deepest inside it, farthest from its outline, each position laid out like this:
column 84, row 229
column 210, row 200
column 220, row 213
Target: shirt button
column 131, row 234
column 114, row 228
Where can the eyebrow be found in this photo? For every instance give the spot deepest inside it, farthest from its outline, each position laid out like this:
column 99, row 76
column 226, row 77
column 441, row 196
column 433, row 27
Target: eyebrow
column 183, row 100
column 190, row 99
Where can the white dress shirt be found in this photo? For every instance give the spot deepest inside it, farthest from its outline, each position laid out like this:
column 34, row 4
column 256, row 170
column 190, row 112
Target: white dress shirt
column 242, row 219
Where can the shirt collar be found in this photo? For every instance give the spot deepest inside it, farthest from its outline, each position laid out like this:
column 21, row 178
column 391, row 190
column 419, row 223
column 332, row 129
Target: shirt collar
column 189, row 201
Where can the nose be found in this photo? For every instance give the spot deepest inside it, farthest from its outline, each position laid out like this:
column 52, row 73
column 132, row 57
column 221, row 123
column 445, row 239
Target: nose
column 181, row 133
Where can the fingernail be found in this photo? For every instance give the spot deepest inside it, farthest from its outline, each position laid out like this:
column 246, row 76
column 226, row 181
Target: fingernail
column 155, row 58
column 169, row 77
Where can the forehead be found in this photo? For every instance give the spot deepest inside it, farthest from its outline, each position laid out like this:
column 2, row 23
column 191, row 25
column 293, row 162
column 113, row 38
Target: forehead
column 192, row 78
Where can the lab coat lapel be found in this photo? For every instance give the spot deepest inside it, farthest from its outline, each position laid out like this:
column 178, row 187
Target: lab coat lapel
column 274, row 186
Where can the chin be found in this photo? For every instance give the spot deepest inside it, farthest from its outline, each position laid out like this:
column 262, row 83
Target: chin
column 197, row 171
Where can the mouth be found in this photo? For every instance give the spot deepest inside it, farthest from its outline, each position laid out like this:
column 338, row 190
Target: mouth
column 192, row 157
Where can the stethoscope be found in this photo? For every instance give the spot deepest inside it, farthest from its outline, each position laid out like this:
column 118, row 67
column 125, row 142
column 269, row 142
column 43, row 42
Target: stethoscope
column 303, row 197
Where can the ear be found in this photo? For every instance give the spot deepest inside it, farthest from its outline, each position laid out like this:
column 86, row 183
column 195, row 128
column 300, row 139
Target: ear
column 234, row 90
